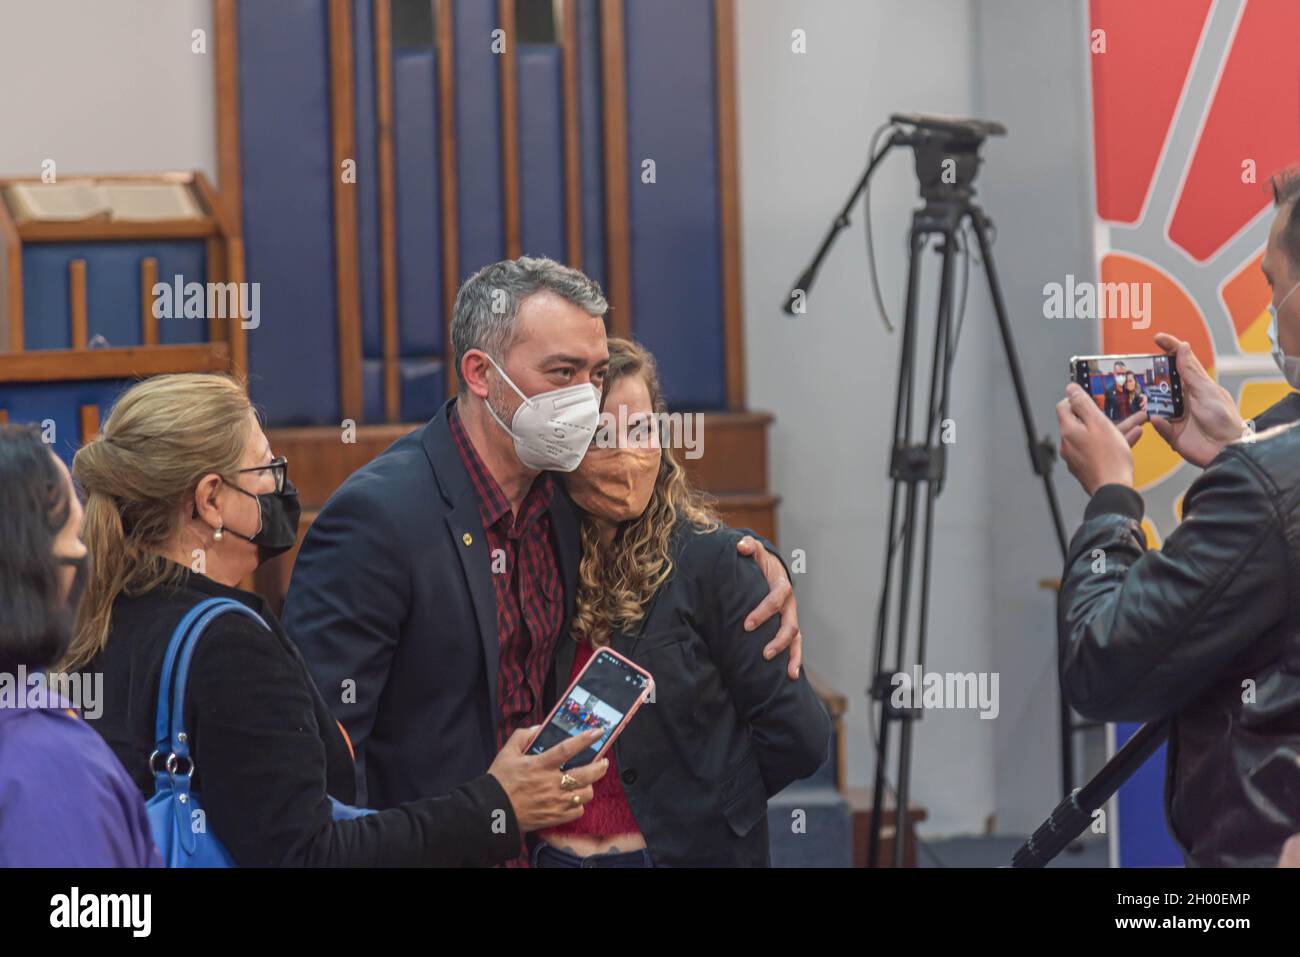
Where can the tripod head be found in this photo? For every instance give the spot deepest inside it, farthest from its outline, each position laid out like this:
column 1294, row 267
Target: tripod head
column 946, row 152
column 947, row 159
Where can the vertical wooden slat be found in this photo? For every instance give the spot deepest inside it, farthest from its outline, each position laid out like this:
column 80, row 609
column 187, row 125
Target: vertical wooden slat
column 89, row 422
column 510, row 129
column 613, row 57
column 11, row 336
column 347, row 264
column 572, row 143
column 228, row 264
column 733, row 333
column 148, row 321
column 14, row 290
column 77, row 301
column 383, row 27
column 216, row 267
column 229, row 174
column 447, row 166
column 218, row 271
column 235, row 333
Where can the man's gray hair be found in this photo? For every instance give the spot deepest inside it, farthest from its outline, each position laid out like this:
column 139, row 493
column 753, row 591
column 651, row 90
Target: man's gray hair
column 488, row 303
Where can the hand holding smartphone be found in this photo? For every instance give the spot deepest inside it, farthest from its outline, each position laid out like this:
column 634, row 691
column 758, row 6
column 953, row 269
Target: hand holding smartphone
column 604, row 696
column 1124, row 384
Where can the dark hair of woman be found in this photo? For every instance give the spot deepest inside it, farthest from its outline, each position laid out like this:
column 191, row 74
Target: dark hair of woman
column 35, row 621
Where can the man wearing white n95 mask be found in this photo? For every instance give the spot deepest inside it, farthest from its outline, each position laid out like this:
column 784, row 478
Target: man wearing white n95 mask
column 434, row 587
column 1206, row 630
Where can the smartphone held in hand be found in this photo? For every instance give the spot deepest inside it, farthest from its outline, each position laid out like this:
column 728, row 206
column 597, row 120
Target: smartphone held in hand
column 605, row 695
column 1124, row 384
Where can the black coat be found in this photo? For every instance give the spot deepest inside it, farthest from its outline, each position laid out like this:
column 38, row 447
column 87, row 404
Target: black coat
column 1181, row 631
column 1111, row 403
column 727, row 730
column 391, row 603
column 266, row 749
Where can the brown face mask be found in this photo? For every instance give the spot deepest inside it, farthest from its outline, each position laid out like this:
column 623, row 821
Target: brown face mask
column 615, row 484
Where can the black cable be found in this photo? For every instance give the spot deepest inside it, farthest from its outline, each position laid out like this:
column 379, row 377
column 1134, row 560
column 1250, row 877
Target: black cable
column 871, row 248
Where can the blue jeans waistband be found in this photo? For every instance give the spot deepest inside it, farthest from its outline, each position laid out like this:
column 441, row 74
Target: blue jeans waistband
column 544, row 855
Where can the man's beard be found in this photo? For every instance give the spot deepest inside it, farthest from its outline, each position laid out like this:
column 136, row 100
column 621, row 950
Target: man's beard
column 498, row 394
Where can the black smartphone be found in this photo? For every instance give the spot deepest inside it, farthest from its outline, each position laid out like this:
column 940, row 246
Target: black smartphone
column 1122, row 385
column 605, row 695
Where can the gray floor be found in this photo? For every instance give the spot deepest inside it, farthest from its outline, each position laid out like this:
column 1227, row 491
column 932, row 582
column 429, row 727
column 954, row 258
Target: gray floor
column 997, row 851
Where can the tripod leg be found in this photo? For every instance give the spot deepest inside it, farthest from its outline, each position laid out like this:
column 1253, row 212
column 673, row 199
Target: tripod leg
column 1041, row 466
column 935, row 408
column 902, row 435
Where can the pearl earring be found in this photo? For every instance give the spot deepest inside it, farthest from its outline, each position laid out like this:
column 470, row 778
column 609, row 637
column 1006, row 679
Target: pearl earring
column 217, row 535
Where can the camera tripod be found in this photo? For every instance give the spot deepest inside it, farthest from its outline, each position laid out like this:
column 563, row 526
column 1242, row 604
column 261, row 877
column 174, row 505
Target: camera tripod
column 947, row 160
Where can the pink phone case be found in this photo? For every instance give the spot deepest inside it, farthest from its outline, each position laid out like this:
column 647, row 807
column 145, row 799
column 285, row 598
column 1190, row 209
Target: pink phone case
column 609, row 742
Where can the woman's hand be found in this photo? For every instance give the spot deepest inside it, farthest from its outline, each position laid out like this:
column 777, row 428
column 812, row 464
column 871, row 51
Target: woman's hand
column 779, row 600
column 533, row 781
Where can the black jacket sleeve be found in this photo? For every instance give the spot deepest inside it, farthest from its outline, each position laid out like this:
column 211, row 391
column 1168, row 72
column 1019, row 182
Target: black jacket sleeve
column 790, row 730
column 261, row 767
column 1148, row 632
column 344, row 610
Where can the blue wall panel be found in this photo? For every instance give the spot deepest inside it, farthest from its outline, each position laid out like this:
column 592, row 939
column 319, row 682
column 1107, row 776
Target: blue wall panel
column 288, row 208
column 61, row 402
column 675, row 223
column 419, row 229
column 372, row 390
column 367, row 187
column 478, row 137
column 591, row 133
column 541, row 152
column 424, row 388
column 1144, row 839
column 112, row 290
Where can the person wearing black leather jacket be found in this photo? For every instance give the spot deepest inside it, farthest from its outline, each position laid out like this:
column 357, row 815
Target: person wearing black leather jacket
column 1207, row 628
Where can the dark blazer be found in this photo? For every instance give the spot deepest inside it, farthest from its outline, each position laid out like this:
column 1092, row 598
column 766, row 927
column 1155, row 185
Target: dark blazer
column 1178, row 632
column 727, row 730
column 391, row 603
column 266, row 749
column 1111, row 403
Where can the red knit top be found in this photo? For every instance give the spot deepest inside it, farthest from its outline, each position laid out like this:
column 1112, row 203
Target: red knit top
column 608, row 812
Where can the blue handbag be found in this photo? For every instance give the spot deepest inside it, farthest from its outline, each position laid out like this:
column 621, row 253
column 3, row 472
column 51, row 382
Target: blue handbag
column 175, row 811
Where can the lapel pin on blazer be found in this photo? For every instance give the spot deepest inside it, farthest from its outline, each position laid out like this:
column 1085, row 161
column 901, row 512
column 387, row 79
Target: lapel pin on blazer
column 467, row 538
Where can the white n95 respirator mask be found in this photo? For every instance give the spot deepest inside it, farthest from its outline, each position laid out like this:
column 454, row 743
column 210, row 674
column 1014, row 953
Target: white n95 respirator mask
column 552, row 430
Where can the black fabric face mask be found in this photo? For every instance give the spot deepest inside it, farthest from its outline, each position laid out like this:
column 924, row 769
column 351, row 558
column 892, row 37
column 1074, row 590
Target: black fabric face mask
column 78, row 579
column 280, row 514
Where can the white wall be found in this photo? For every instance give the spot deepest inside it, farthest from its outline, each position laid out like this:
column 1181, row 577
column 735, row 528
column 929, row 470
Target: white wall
column 805, row 122
column 1033, row 77
column 106, row 87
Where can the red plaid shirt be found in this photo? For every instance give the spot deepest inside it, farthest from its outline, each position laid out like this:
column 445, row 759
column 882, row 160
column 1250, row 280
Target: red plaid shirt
column 526, row 582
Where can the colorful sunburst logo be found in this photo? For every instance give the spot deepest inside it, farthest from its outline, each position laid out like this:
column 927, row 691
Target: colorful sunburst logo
column 1195, row 103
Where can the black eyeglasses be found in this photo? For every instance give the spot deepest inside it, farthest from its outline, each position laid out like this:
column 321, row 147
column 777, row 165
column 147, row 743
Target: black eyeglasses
column 279, row 467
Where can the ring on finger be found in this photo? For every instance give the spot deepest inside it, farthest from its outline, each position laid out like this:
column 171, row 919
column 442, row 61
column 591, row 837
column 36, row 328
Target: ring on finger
column 568, row 783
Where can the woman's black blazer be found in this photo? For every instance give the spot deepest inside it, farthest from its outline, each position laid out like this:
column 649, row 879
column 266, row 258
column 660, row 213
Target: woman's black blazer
column 267, row 751
column 727, row 730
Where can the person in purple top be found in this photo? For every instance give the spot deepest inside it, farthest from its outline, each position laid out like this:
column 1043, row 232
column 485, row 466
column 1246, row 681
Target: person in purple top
column 65, row 800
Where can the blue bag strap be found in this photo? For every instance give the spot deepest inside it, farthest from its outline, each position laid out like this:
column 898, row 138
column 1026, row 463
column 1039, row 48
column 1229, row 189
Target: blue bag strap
column 162, row 719
column 169, row 731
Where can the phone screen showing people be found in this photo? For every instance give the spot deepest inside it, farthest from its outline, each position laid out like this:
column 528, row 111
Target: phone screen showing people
column 1124, row 385
column 603, row 697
